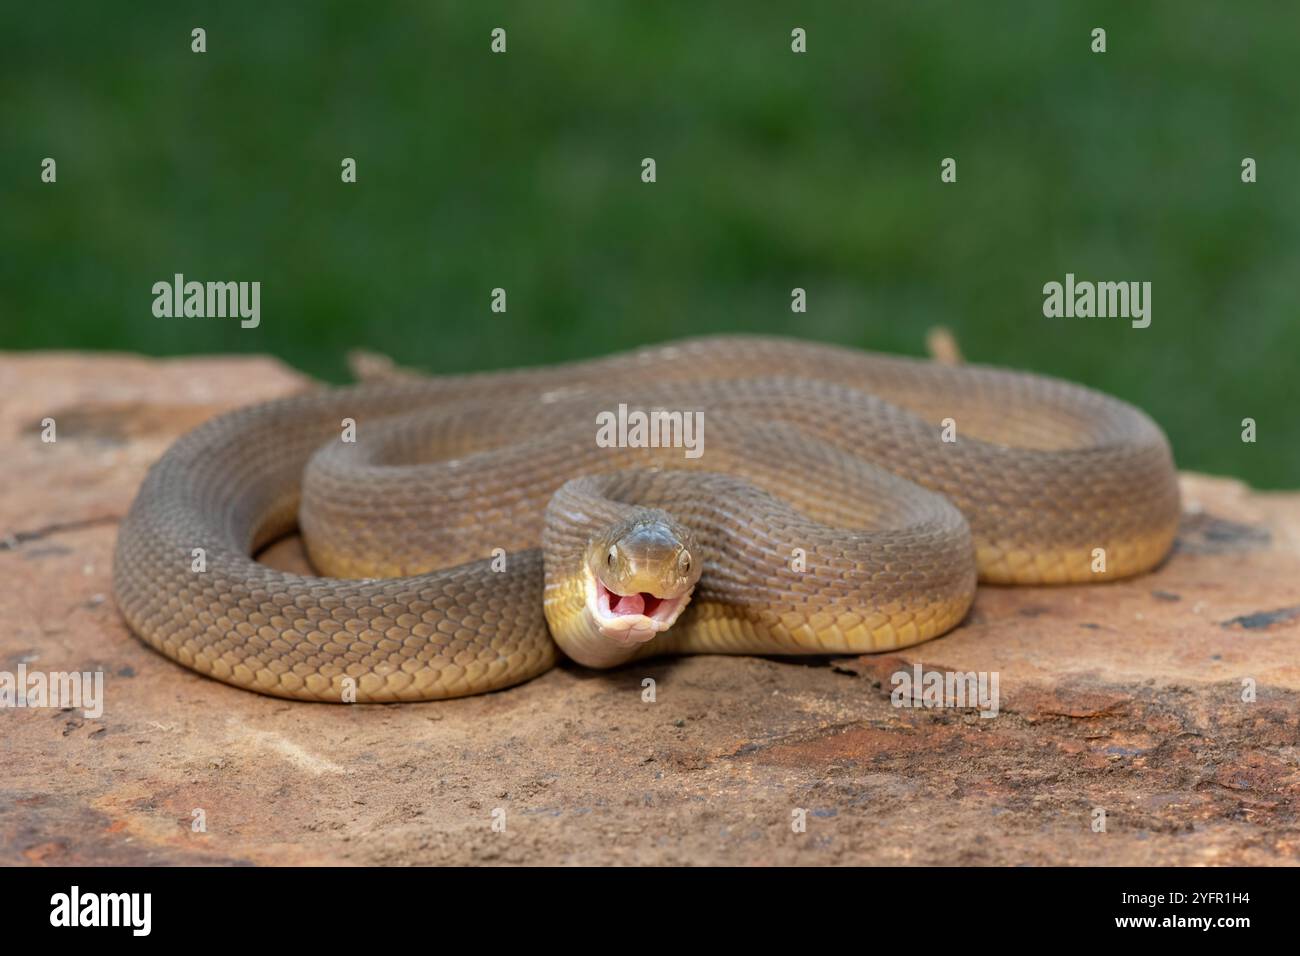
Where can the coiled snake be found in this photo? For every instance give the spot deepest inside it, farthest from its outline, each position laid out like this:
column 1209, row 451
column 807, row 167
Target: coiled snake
column 834, row 502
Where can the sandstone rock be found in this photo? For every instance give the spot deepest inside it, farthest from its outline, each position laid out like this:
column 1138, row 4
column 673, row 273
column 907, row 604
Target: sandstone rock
column 1125, row 697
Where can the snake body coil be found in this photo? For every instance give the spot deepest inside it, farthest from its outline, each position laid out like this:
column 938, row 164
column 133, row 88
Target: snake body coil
column 841, row 502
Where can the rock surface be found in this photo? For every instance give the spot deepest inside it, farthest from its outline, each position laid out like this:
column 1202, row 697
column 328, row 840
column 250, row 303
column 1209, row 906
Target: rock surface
column 1125, row 698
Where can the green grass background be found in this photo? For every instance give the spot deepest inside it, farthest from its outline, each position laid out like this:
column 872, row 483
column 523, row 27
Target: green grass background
column 775, row 170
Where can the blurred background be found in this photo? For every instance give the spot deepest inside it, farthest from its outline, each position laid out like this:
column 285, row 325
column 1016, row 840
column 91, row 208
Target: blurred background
column 775, row 170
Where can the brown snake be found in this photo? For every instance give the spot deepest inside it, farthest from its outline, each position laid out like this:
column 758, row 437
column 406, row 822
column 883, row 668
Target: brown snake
column 476, row 517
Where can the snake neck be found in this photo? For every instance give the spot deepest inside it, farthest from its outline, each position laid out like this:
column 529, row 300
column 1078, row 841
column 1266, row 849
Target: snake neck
column 575, row 629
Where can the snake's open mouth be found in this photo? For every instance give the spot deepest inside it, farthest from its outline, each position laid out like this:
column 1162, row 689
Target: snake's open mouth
column 632, row 618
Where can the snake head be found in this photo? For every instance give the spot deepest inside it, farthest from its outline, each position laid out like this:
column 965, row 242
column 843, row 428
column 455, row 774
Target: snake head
column 641, row 572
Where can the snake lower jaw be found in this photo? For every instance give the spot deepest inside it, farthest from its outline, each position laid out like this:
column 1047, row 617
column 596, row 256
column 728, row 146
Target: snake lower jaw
column 628, row 629
column 632, row 629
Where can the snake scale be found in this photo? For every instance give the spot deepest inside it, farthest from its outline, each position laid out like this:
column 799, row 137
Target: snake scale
column 469, row 527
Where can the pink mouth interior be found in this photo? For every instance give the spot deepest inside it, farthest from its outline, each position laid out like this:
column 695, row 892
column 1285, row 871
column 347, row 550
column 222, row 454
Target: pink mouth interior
column 619, row 605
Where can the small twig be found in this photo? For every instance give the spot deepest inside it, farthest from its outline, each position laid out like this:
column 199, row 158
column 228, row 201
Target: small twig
column 942, row 346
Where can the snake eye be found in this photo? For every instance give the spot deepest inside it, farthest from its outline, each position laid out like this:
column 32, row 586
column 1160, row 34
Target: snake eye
column 612, row 556
column 684, row 562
